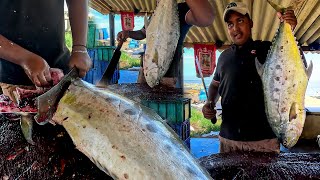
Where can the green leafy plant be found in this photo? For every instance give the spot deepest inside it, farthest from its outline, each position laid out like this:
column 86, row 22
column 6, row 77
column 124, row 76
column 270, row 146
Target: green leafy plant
column 68, row 39
column 127, row 61
column 202, row 125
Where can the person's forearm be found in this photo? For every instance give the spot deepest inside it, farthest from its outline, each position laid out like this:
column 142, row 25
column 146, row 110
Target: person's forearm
column 12, row 52
column 213, row 92
column 137, row 35
column 201, row 11
column 78, row 15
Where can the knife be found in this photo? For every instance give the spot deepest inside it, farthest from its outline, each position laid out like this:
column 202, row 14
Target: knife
column 47, row 102
column 214, row 119
column 108, row 73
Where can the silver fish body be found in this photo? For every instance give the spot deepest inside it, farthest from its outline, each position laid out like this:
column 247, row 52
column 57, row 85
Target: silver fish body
column 285, row 78
column 123, row 138
column 162, row 35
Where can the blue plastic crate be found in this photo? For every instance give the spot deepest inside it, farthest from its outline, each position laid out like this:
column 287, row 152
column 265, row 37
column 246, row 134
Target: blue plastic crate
column 100, row 57
column 187, row 142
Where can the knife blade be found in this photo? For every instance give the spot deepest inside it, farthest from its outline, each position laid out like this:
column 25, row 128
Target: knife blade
column 47, row 102
column 214, row 119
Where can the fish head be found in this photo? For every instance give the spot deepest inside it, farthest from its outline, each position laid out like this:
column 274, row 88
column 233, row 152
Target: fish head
column 290, row 136
column 151, row 74
column 292, row 127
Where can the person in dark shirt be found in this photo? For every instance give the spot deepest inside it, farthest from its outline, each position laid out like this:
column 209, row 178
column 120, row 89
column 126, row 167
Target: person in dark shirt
column 244, row 123
column 32, row 41
column 199, row 13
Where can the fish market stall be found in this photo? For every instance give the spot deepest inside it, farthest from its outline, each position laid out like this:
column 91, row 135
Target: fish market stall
column 54, row 155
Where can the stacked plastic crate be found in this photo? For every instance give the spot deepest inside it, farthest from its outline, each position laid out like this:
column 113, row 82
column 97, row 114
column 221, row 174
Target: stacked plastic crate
column 100, row 55
column 176, row 112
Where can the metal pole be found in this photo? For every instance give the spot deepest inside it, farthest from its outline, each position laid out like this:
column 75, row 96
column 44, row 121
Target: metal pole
column 112, row 31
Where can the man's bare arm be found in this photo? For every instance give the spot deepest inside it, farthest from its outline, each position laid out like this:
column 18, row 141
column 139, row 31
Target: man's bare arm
column 201, row 13
column 35, row 67
column 12, row 52
column 78, row 14
column 213, row 92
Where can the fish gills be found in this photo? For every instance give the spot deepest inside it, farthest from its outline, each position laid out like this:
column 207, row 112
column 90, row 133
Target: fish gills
column 285, row 78
column 162, row 35
column 123, row 138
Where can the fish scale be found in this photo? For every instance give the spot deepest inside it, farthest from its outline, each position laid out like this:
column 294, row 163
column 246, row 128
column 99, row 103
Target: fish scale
column 162, row 36
column 285, row 78
column 123, row 138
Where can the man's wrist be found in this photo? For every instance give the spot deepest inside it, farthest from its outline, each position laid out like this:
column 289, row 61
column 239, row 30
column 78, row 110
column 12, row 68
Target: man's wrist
column 79, row 49
column 212, row 105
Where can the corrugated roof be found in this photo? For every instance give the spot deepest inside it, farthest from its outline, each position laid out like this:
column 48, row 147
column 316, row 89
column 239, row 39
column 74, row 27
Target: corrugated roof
column 263, row 15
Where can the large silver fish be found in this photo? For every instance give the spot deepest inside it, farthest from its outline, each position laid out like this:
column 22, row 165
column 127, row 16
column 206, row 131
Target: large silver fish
column 285, row 78
column 123, row 138
column 162, row 34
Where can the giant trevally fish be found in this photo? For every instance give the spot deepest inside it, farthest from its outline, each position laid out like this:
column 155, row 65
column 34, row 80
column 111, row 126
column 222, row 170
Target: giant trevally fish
column 285, row 77
column 162, row 35
column 123, row 138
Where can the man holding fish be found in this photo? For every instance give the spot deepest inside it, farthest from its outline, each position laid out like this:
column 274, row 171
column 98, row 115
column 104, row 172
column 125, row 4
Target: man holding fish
column 199, row 13
column 244, row 125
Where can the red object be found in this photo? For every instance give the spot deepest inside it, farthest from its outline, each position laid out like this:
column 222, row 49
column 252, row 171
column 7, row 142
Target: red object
column 206, row 55
column 27, row 97
column 127, row 21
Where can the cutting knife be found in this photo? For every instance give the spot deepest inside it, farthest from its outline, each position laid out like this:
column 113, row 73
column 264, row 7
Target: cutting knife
column 47, row 102
column 214, row 119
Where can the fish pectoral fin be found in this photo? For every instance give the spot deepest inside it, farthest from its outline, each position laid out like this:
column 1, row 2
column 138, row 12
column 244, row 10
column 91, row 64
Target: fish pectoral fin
column 259, row 67
column 146, row 21
column 26, row 124
column 155, row 57
column 309, row 70
column 293, row 111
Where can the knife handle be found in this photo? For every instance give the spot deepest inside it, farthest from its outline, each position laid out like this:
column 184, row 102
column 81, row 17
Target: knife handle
column 214, row 120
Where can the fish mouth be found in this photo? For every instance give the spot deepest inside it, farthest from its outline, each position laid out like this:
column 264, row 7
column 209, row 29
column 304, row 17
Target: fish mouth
column 152, row 77
column 290, row 137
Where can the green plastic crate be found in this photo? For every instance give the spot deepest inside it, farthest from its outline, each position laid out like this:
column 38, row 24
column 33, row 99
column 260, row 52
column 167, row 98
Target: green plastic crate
column 91, row 36
column 177, row 114
column 174, row 111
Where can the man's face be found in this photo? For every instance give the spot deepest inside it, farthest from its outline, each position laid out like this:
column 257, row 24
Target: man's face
column 239, row 28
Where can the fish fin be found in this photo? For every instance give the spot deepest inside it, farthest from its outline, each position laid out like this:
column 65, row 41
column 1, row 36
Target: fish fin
column 309, row 69
column 26, row 124
column 146, row 21
column 293, row 111
column 259, row 67
column 155, row 57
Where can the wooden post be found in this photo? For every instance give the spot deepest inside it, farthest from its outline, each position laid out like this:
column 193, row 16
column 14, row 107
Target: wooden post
column 112, row 31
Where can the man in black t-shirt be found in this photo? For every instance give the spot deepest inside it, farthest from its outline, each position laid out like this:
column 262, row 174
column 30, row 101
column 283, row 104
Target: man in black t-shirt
column 199, row 13
column 244, row 123
column 32, row 41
